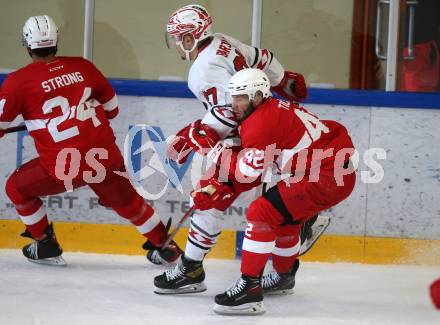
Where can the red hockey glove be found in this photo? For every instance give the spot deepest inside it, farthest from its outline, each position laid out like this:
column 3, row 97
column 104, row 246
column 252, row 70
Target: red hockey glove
column 292, row 87
column 212, row 196
column 2, row 133
column 178, row 150
column 202, row 137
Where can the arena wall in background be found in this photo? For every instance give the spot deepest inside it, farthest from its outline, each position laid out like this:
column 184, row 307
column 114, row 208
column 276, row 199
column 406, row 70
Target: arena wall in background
column 380, row 223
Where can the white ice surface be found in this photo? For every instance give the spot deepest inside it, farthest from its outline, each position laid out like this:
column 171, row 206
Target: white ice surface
column 115, row 289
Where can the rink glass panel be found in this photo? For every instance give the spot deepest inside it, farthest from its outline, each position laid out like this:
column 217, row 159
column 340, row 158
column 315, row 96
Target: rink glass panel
column 68, row 15
column 129, row 36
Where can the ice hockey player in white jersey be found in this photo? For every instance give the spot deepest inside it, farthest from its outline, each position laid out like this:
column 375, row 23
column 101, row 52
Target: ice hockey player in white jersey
column 215, row 58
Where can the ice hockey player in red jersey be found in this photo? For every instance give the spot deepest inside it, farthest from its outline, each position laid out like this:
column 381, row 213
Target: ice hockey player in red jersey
column 66, row 104
column 277, row 137
column 215, row 58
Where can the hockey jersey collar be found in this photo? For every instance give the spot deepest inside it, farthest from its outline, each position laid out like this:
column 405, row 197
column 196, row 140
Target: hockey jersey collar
column 204, row 46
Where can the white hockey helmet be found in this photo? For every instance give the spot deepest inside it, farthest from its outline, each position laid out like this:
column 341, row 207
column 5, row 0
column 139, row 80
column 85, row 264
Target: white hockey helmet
column 192, row 19
column 40, row 32
column 248, row 82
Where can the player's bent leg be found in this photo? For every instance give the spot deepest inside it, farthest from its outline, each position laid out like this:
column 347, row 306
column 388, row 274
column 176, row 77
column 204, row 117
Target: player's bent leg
column 203, row 233
column 188, row 276
column 281, row 280
column 23, row 188
column 246, row 296
column 150, row 225
column 118, row 193
column 29, row 207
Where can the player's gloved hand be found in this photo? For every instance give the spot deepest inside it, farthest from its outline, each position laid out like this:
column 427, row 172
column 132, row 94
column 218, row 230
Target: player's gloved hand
column 179, row 150
column 202, row 137
column 212, row 195
column 2, row 133
column 292, row 87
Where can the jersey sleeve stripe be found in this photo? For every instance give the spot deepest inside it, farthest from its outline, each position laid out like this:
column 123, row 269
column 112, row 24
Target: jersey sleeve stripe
column 229, row 123
column 271, row 58
column 4, row 125
column 111, row 104
column 256, row 57
column 38, row 124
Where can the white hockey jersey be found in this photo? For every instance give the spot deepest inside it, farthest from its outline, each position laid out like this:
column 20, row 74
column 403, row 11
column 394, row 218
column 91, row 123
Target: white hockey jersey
column 215, row 65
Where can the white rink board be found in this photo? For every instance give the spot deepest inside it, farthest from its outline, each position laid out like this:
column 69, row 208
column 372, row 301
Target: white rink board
column 404, row 204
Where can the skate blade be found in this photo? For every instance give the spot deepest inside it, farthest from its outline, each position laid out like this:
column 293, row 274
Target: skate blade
column 251, row 309
column 53, row 261
column 319, row 227
column 279, row 292
column 190, row 288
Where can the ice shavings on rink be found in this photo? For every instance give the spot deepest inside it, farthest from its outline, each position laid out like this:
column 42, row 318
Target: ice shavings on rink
column 115, row 289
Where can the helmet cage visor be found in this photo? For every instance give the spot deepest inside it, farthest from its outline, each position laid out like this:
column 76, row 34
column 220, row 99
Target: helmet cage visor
column 172, row 41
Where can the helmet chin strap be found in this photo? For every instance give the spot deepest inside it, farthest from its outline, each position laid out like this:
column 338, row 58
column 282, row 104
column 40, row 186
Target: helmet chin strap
column 187, row 52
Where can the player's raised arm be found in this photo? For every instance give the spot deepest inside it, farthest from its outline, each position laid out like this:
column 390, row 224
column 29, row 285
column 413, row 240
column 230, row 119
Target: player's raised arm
column 288, row 84
column 104, row 92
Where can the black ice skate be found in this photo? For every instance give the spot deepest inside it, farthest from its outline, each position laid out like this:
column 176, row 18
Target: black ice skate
column 44, row 251
column 185, row 277
column 244, row 298
column 280, row 283
column 311, row 230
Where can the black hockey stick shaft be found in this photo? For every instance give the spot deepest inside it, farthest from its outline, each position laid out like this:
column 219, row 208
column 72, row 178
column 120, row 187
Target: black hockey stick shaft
column 17, row 128
column 178, row 226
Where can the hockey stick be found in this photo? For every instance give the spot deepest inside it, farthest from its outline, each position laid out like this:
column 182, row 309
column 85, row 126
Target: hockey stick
column 209, row 190
column 17, row 128
column 178, row 226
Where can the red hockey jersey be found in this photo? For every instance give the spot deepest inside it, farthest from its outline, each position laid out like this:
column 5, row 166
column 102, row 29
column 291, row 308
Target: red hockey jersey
column 65, row 103
column 284, row 135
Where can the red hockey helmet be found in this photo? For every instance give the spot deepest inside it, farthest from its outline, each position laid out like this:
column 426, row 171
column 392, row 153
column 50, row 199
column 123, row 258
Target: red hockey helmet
column 192, row 19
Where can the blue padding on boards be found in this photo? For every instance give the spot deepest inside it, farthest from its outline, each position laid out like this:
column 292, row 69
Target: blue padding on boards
column 238, row 243
column 374, row 98
column 152, row 88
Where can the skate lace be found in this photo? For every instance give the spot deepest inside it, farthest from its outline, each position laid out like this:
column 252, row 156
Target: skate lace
column 33, row 250
column 236, row 288
column 175, row 272
column 270, row 279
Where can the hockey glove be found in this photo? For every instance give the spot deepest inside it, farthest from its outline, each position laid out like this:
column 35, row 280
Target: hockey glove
column 292, row 87
column 178, row 150
column 202, row 137
column 2, row 133
column 212, row 196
